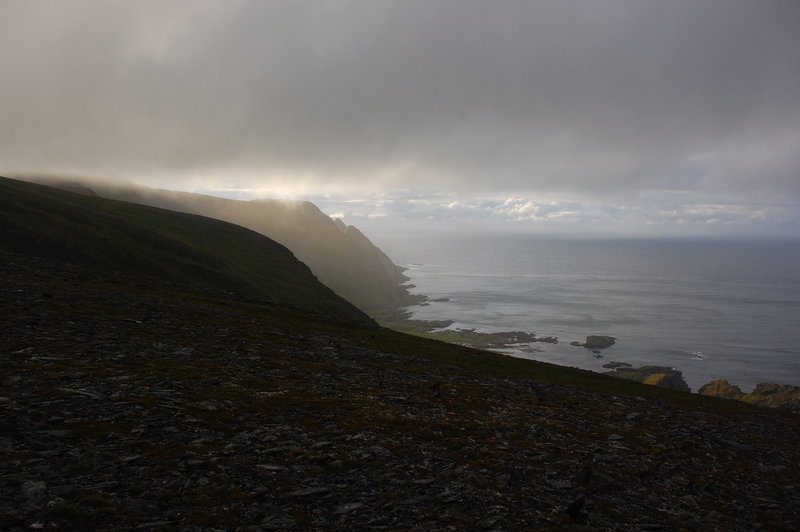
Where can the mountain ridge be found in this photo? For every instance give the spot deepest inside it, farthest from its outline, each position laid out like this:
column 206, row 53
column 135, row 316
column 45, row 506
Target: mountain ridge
column 180, row 247
column 340, row 255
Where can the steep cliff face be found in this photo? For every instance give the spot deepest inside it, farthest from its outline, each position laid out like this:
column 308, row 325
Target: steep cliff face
column 373, row 272
column 162, row 244
column 340, row 256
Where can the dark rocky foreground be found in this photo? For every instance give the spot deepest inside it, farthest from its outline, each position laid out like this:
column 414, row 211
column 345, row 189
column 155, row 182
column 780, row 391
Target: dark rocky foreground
column 133, row 404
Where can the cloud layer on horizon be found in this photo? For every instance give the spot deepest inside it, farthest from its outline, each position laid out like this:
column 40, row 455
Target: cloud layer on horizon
column 589, row 99
column 651, row 214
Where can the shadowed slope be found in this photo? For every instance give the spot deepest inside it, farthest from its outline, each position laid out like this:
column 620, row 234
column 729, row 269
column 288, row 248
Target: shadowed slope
column 148, row 241
column 341, row 256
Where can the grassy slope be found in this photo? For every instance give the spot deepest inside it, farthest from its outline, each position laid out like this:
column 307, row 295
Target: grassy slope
column 56, row 224
column 342, row 258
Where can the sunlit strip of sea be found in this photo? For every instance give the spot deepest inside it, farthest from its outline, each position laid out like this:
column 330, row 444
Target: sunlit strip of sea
column 710, row 308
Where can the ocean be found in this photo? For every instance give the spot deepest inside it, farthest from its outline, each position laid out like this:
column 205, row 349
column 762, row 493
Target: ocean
column 713, row 309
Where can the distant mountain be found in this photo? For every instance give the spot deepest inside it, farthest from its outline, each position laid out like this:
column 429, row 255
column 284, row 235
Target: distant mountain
column 339, row 255
column 152, row 242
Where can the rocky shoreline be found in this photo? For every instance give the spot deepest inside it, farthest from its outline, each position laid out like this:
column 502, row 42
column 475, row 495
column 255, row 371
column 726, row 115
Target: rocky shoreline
column 136, row 404
column 785, row 397
column 771, row 395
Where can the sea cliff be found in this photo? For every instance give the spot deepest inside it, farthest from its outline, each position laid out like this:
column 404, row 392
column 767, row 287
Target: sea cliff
column 339, row 255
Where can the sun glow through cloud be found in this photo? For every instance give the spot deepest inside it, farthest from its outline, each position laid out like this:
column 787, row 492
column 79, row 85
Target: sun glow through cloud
column 649, row 118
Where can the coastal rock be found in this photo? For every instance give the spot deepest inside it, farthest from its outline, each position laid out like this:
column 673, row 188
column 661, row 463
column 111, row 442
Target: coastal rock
column 673, row 381
column 768, row 394
column 616, row 364
column 768, row 388
column 720, row 388
column 599, row 342
column 483, row 340
column 662, row 376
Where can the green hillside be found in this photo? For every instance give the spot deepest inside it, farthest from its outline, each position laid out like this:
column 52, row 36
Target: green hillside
column 152, row 242
column 341, row 257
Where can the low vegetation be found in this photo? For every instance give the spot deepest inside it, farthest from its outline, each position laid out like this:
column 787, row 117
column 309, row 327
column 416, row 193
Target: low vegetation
column 152, row 242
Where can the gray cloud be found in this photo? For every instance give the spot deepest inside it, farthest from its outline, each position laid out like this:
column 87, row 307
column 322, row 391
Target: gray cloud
column 586, row 98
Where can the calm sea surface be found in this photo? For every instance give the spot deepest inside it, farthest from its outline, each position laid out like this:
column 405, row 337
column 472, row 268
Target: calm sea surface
column 712, row 309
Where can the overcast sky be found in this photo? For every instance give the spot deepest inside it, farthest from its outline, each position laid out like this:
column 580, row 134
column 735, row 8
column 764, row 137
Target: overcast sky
column 674, row 115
